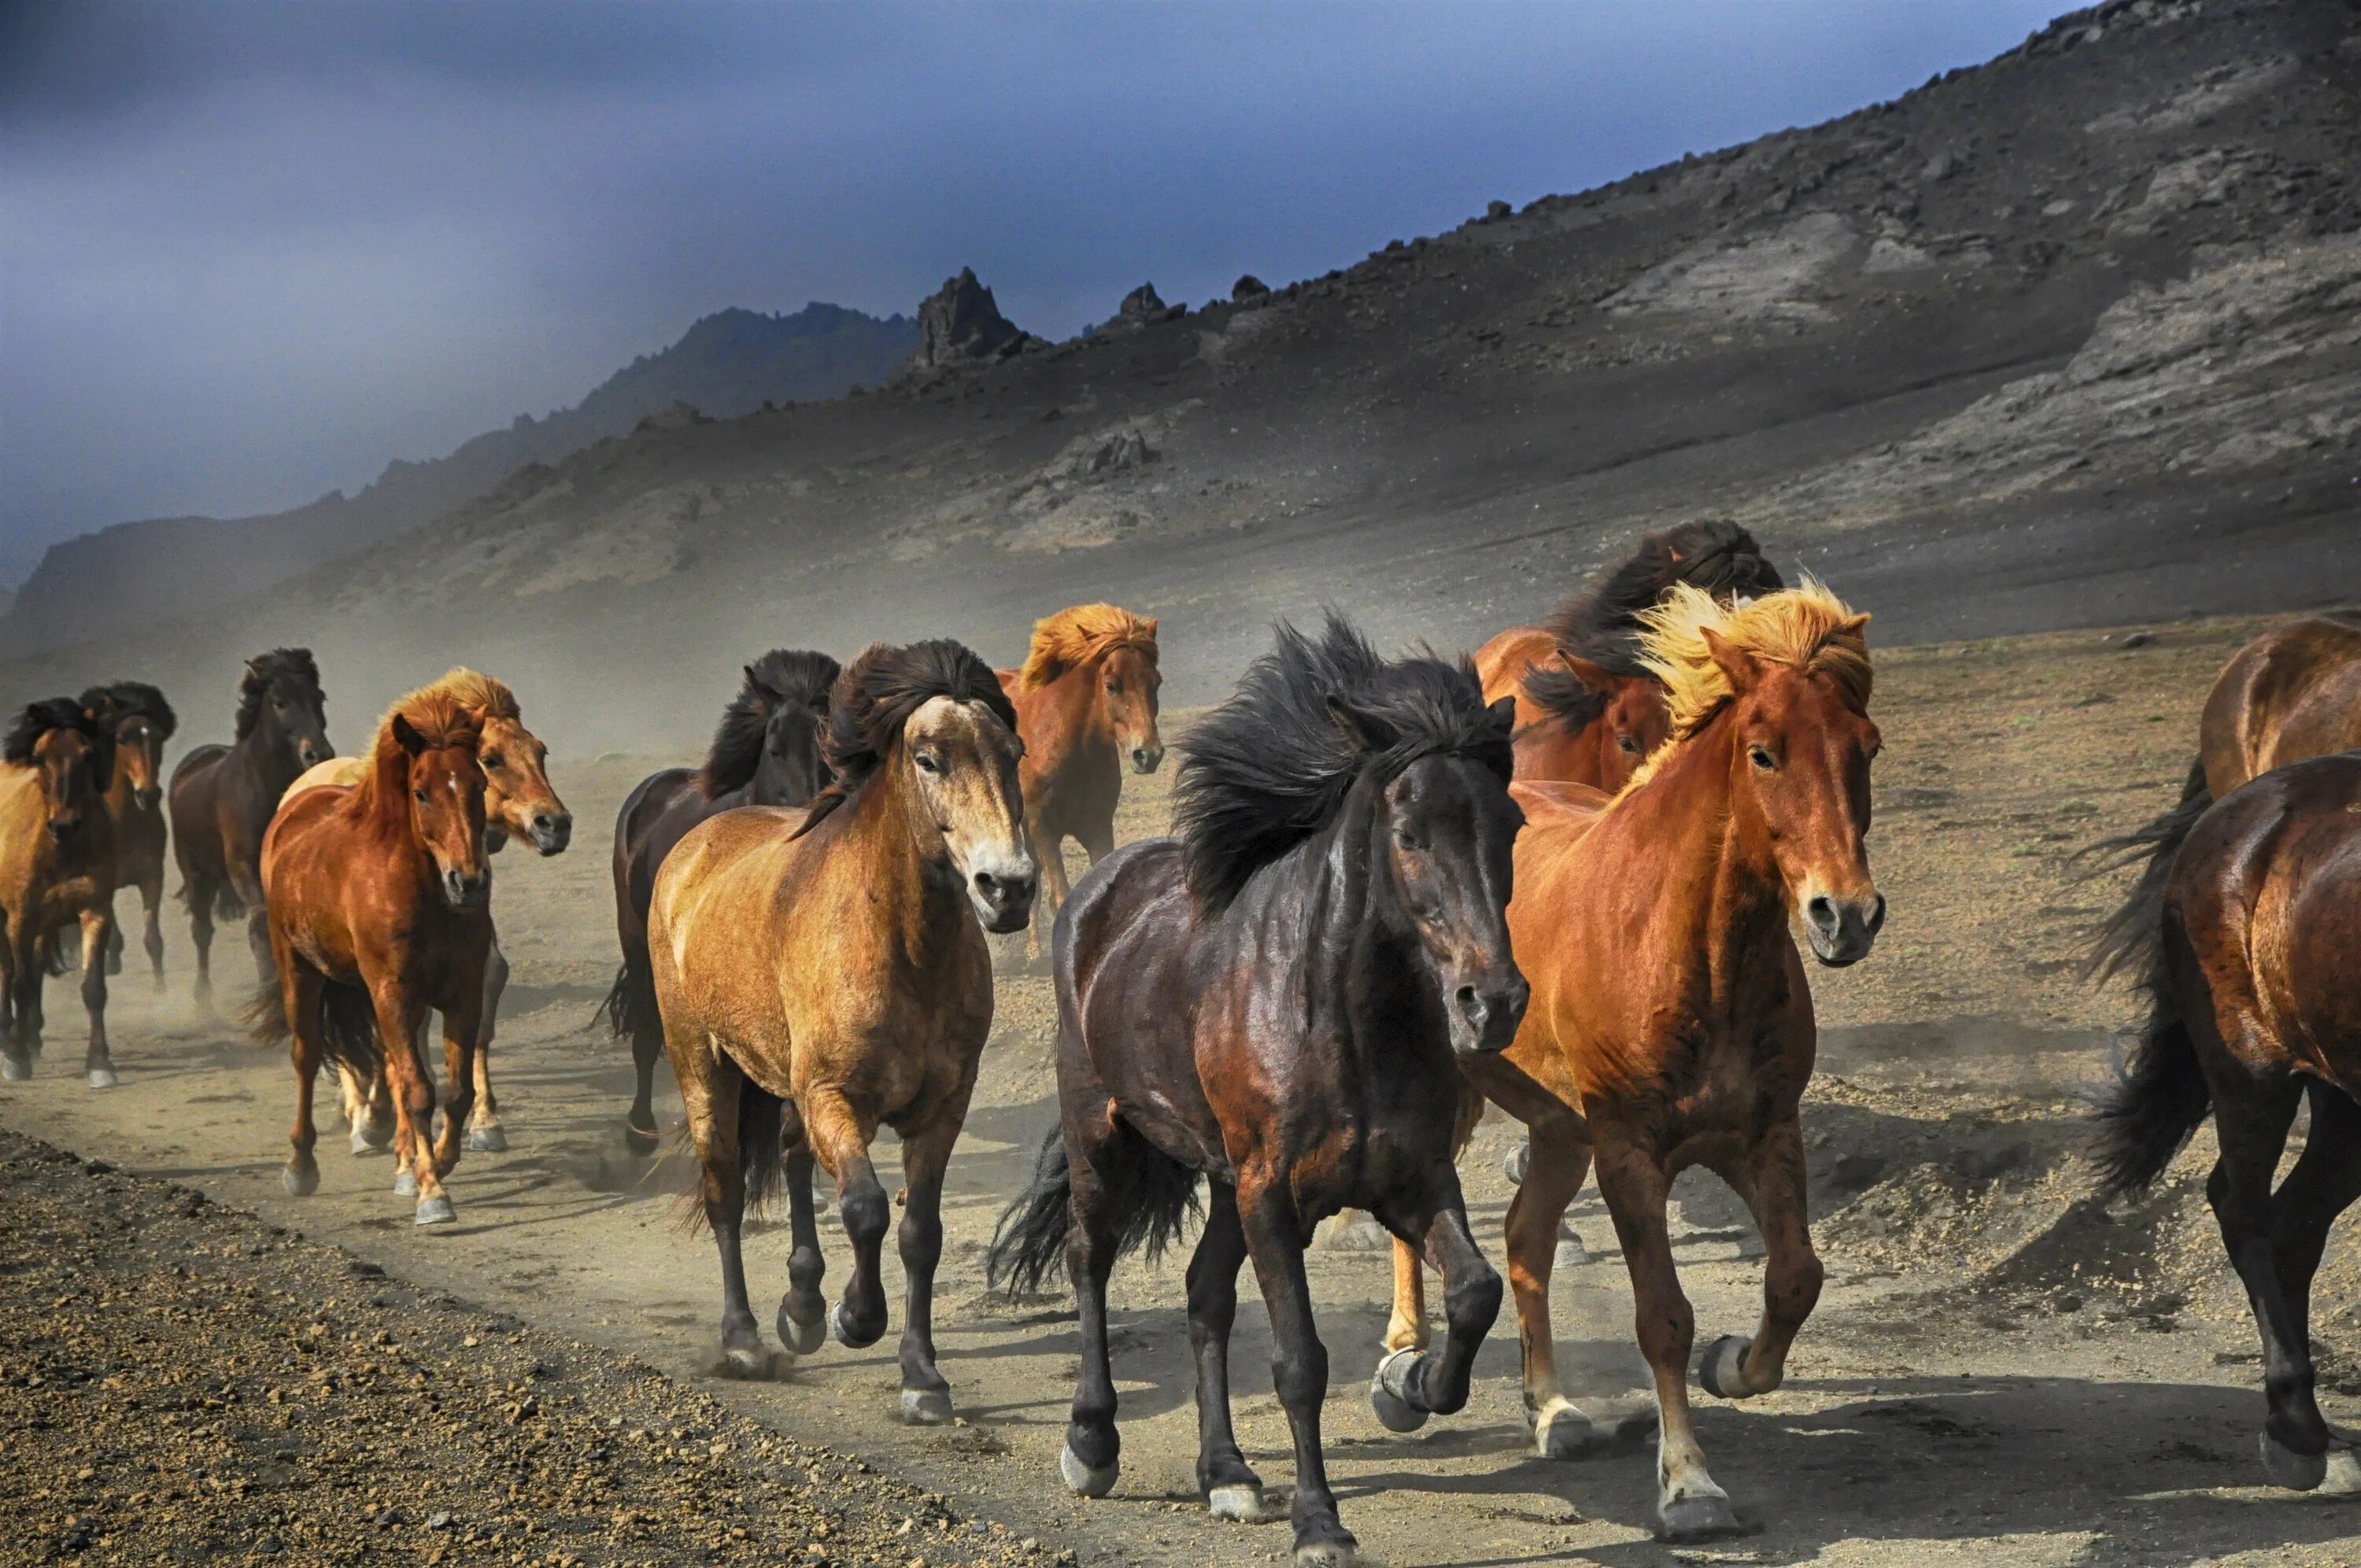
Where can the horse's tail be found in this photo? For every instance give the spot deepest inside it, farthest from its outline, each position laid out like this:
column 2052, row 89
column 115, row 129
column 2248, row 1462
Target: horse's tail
column 762, row 1158
column 1156, row 1195
column 631, row 1004
column 2152, row 1106
column 265, row 1014
column 347, row 1023
column 2122, row 942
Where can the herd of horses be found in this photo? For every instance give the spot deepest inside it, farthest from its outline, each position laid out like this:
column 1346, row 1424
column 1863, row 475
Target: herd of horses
column 1563, row 877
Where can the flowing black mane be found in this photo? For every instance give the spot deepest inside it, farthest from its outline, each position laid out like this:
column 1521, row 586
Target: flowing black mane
column 875, row 696
column 120, row 700
column 266, row 670
column 39, row 719
column 1271, row 765
column 1715, row 553
column 783, row 677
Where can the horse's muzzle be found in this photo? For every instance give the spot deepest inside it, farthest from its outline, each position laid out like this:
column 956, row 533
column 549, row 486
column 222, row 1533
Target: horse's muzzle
column 1003, row 897
column 1483, row 1019
column 1842, row 930
column 465, row 892
column 148, row 798
column 552, row 831
column 1147, row 759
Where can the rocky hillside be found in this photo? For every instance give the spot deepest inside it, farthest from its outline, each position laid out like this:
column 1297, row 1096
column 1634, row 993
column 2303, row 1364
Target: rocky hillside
column 728, row 364
column 2070, row 338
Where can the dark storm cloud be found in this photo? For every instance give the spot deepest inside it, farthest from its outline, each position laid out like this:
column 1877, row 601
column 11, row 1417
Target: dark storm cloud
column 252, row 251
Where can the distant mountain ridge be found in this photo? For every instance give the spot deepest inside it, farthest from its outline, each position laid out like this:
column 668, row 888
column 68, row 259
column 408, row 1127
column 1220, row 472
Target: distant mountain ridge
column 726, row 364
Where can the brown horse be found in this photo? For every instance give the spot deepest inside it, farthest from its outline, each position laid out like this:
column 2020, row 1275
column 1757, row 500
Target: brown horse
column 2290, row 693
column 1085, row 702
column 222, row 798
column 57, row 868
column 377, row 899
column 1671, row 1023
column 821, row 972
column 2255, row 1006
column 518, row 803
column 142, row 722
column 766, row 752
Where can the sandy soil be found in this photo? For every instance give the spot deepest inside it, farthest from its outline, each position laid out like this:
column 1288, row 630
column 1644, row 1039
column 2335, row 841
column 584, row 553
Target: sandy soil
column 1999, row 1372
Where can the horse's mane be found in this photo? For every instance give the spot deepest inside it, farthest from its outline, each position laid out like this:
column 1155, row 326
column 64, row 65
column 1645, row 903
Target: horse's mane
column 477, row 693
column 1082, row 635
column 50, row 714
column 280, row 663
column 875, row 696
column 133, row 699
column 1271, row 765
column 441, row 720
column 1602, row 620
column 781, row 678
column 1563, row 700
column 1805, row 627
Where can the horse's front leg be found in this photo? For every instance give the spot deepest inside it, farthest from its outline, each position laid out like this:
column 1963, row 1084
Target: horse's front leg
column 202, row 894
column 802, row 1320
column 300, row 992
column 414, row 1101
column 1049, row 843
column 1772, row 1182
column 97, row 928
column 1299, row 1364
column 488, row 1137
column 1412, row 1385
column 22, row 1036
column 461, row 1025
column 1229, row 1485
column 926, row 1156
column 151, row 935
column 840, row 1135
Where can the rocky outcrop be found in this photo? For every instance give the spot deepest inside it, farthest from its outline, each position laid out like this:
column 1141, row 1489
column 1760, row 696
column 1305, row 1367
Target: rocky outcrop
column 1142, row 307
column 960, row 324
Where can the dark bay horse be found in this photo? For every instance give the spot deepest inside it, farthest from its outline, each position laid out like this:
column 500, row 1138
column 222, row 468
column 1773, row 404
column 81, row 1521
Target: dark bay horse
column 2254, row 1006
column 1274, row 1001
column 378, row 907
column 222, row 798
column 142, row 722
column 57, row 868
column 766, row 752
column 822, row 972
column 1671, row 1023
column 1086, row 704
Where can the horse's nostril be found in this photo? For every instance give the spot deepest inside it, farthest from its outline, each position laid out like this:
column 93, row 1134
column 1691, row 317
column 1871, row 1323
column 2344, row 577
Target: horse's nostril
column 1821, row 911
column 1471, row 1005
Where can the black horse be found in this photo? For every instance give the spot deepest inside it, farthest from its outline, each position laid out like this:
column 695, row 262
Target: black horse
column 222, row 798
column 1274, row 1001
column 766, row 752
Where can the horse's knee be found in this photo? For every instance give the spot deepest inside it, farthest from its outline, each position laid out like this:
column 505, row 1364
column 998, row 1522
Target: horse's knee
column 1300, row 1374
column 865, row 1212
column 1472, row 1298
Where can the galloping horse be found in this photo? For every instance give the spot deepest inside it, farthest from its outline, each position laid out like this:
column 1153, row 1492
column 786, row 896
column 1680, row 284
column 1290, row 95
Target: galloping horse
column 766, row 752
column 1085, row 702
column 57, row 868
column 2254, row 1004
column 1274, row 999
column 222, row 798
column 376, row 901
column 820, row 971
column 518, row 803
column 1671, row 1023
column 2290, row 693
column 142, row 722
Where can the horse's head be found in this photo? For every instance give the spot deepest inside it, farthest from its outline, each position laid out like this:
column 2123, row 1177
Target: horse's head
column 139, row 759
column 281, row 696
column 960, row 759
column 71, row 751
column 1623, row 709
column 446, row 811
column 519, row 800
column 791, row 770
column 1128, row 680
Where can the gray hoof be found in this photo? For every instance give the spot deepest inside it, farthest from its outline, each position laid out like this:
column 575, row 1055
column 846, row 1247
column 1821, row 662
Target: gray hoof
column 1084, row 1481
column 15, row 1069
column 1327, row 1554
column 1721, row 1370
column 925, row 1407
column 2343, row 1477
column 638, row 1142
column 2296, row 1471
column 368, row 1140
column 1562, row 1431
column 1361, row 1234
column 1389, row 1393
column 1514, row 1163
column 842, row 1333
column 102, row 1078
column 802, row 1338
column 746, row 1363
column 1699, row 1513
column 436, row 1211
column 405, row 1183
column 301, row 1181
column 486, row 1140
column 1246, row 1504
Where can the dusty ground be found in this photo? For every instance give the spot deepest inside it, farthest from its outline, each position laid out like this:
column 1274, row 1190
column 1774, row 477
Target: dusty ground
column 1998, row 1373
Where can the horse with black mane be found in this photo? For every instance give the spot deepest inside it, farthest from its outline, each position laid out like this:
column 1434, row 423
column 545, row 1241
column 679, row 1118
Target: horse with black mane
column 142, row 722
column 1275, row 1001
column 222, row 799
column 766, row 752
column 57, row 868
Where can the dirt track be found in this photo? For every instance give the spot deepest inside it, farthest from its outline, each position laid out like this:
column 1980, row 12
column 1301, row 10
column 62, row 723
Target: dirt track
column 1998, row 1373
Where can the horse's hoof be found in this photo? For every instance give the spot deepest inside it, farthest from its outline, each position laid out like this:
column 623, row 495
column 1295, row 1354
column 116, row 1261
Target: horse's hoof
column 15, row 1067
column 1514, row 1163
column 1700, row 1512
column 301, row 1181
column 844, row 1335
column 802, row 1338
column 486, row 1140
column 362, row 1144
column 1361, row 1234
column 2343, row 1476
column 102, row 1078
column 1086, row 1480
column 1721, row 1370
column 1562, row 1431
column 1389, row 1393
column 1246, row 1504
column 405, row 1183
column 748, row 1363
column 1341, row 1554
column 2296, row 1471
column 925, row 1407
column 436, row 1211
column 638, row 1142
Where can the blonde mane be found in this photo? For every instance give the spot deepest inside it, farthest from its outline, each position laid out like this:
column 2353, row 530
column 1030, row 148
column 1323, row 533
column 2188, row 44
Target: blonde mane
column 1078, row 636
column 477, row 693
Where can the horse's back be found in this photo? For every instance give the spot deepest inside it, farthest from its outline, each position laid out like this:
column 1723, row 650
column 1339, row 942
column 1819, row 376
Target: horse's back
column 2292, row 692
column 334, row 770
column 729, row 871
column 300, row 823
column 1501, row 664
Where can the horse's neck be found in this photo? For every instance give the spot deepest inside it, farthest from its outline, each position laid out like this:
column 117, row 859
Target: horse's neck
column 1721, row 899
column 379, row 799
column 1362, row 972
column 266, row 759
column 1082, row 718
column 118, row 785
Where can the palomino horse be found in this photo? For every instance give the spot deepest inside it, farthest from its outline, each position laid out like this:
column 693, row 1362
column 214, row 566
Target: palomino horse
column 57, row 868
column 820, row 971
column 2254, row 1004
column 142, row 722
column 1085, row 702
column 1671, row 1023
column 766, row 752
column 518, row 803
column 222, row 798
column 1274, row 999
column 2290, row 693
column 377, row 909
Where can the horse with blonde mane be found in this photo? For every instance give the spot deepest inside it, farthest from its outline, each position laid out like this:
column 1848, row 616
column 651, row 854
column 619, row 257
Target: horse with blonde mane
column 142, row 722
column 1086, row 707
column 1671, row 1023
column 57, row 868
column 377, row 900
column 821, row 972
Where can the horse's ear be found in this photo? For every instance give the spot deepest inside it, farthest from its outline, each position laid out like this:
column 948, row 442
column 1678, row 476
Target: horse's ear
column 406, row 736
column 1366, row 734
column 1852, row 625
column 1151, row 626
column 1739, row 667
column 1504, row 714
column 1592, row 677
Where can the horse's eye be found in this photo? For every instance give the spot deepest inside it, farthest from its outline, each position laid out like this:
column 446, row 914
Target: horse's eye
column 419, row 795
column 1628, row 744
column 1113, row 688
column 494, row 759
column 928, row 764
column 1408, row 839
column 1760, row 758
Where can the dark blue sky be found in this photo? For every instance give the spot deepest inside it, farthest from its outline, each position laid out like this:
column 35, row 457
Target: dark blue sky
column 251, row 252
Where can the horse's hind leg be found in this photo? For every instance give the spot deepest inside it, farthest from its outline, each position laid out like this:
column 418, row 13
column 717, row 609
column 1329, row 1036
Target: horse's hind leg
column 2326, row 1182
column 487, row 1136
column 2251, row 1119
column 1771, row 1183
column 200, row 893
column 20, row 961
column 1093, row 1456
column 712, row 1095
column 1299, row 1363
column 840, row 1135
column 926, row 1155
column 1229, row 1485
column 299, row 991
column 97, row 926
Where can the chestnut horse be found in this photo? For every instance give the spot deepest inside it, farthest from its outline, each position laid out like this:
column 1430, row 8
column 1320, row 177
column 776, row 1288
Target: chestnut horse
column 2290, row 693
column 222, row 798
column 518, row 803
column 377, row 900
column 766, row 752
column 1274, row 1001
column 142, row 722
column 2254, row 1006
column 1671, row 1023
column 57, row 868
column 821, row 972
column 1085, row 702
